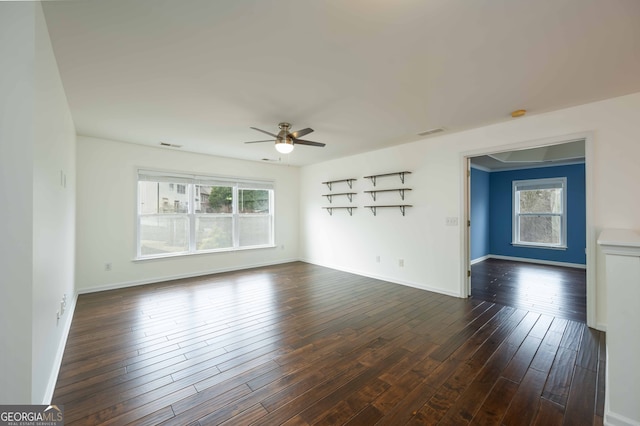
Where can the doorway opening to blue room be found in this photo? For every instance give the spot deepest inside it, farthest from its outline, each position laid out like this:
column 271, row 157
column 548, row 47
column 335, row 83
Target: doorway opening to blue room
column 527, row 236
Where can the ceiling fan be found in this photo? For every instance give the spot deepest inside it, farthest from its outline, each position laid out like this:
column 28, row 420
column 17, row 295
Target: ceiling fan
column 285, row 140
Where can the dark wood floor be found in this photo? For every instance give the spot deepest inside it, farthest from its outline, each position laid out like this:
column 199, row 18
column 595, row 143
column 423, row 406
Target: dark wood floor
column 299, row 344
column 546, row 289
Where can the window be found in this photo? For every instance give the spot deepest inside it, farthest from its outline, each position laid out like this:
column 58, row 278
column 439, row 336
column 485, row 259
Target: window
column 204, row 214
column 540, row 212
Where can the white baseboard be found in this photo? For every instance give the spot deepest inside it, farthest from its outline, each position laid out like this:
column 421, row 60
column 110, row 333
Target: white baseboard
column 392, row 280
column 613, row 419
column 62, row 344
column 538, row 261
column 115, row 286
column 480, row 259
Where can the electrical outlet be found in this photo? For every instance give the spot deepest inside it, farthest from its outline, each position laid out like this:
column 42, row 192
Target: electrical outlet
column 401, row 263
column 451, row 221
column 377, row 259
column 107, row 266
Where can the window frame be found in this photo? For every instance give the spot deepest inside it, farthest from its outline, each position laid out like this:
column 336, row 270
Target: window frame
column 531, row 184
column 191, row 181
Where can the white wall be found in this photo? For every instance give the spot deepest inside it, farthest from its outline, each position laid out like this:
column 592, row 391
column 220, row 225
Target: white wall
column 53, row 217
column 106, row 214
column 16, row 152
column 431, row 250
column 36, row 232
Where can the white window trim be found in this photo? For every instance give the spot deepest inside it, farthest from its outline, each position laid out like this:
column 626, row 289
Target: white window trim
column 515, row 205
column 190, row 180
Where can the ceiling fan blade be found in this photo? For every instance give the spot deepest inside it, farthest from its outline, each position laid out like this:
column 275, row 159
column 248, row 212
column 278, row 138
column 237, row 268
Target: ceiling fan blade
column 310, row 143
column 264, row 131
column 269, row 140
column 300, row 133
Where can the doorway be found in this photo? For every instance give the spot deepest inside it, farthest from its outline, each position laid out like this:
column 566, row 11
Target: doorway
column 555, row 278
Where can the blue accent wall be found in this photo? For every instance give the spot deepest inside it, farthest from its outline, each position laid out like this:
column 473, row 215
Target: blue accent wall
column 480, row 199
column 500, row 214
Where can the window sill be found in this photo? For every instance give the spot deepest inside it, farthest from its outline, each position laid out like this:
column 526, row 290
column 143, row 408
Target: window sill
column 175, row 255
column 539, row 246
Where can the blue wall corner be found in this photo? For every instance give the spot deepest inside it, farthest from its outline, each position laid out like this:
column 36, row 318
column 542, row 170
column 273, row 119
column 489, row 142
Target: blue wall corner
column 480, row 201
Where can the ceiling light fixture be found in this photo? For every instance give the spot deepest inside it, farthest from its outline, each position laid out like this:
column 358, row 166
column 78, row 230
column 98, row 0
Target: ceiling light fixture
column 518, row 113
column 284, row 145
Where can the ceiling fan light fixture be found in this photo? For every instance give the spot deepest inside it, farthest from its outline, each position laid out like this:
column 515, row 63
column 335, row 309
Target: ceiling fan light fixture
column 285, row 140
column 284, row 145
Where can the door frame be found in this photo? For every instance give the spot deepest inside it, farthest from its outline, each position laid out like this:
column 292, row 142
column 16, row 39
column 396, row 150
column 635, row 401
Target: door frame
column 465, row 205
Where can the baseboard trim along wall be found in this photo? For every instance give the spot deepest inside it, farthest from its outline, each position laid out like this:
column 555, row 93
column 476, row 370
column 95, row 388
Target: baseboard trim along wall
column 392, row 280
column 116, row 286
column 480, row 259
column 613, row 419
column 527, row 260
column 62, row 344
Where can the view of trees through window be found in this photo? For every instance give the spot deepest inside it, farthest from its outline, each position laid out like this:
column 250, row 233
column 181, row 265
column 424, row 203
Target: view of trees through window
column 253, row 221
column 253, row 201
column 539, row 212
column 537, row 228
column 219, row 199
column 216, row 199
column 183, row 218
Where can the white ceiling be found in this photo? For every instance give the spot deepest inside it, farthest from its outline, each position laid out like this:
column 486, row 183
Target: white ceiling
column 365, row 74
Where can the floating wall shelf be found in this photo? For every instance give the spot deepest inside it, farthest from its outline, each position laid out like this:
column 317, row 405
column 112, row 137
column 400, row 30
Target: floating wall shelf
column 400, row 174
column 401, row 206
column 348, row 194
column 331, row 182
column 400, row 190
column 349, row 209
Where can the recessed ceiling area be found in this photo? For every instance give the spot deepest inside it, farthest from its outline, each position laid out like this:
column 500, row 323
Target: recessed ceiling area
column 364, row 75
column 551, row 155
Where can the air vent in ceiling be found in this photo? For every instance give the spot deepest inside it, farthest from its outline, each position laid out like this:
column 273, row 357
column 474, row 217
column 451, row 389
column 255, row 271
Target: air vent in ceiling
column 431, row 131
column 172, row 145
